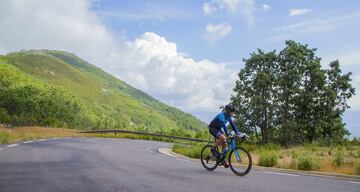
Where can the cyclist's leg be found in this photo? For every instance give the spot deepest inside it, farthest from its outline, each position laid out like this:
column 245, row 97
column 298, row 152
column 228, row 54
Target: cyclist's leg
column 219, row 136
column 222, row 140
column 215, row 133
column 223, row 143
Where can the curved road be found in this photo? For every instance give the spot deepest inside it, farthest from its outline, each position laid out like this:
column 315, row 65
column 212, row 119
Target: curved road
column 98, row 164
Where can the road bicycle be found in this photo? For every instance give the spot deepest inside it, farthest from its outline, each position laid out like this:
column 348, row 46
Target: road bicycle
column 239, row 159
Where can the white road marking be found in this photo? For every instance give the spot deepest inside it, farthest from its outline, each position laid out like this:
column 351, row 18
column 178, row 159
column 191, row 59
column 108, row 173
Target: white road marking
column 149, row 150
column 54, row 138
column 182, row 160
column 166, row 152
column 287, row 174
column 0, row 149
column 42, row 139
column 13, row 145
column 354, row 182
column 28, row 142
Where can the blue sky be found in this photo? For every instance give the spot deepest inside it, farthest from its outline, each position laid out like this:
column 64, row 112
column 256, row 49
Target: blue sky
column 184, row 22
column 185, row 53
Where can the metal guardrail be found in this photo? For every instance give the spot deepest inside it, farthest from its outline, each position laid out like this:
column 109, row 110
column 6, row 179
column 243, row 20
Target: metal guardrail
column 145, row 133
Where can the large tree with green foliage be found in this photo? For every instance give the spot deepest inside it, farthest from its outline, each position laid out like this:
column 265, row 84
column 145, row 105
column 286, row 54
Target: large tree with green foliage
column 290, row 98
column 336, row 93
column 255, row 94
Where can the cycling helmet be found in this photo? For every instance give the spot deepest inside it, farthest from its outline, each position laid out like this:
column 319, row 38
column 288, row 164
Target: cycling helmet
column 229, row 108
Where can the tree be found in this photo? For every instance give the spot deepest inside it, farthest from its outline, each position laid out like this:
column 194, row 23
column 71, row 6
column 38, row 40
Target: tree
column 255, row 94
column 290, row 98
column 334, row 102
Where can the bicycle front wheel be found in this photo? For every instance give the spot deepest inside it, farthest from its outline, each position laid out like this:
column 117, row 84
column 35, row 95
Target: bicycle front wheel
column 208, row 159
column 240, row 161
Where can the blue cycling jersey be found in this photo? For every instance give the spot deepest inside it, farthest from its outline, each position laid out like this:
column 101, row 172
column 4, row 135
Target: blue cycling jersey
column 220, row 122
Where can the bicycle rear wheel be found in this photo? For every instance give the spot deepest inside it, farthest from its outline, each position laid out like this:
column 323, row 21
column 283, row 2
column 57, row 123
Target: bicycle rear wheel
column 208, row 160
column 240, row 161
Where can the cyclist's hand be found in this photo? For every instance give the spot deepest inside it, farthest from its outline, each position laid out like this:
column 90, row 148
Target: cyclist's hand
column 243, row 136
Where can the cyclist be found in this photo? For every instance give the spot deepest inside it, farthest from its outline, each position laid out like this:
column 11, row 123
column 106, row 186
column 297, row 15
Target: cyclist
column 219, row 123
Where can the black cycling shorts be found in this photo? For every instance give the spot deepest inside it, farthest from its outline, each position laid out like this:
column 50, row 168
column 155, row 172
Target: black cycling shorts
column 215, row 132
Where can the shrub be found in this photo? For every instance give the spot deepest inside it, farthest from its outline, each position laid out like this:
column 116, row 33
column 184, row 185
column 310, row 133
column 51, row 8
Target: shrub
column 268, row 158
column 193, row 151
column 311, row 147
column 339, row 157
column 307, row 163
column 321, row 153
column 4, row 137
column 294, row 154
column 330, row 151
column 352, row 154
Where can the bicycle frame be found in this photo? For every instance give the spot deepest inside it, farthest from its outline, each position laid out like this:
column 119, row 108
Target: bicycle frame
column 231, row 145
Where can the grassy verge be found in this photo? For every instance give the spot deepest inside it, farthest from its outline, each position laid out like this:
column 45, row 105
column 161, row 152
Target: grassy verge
column 340, row 159
column 12, row 135
column 188, row 150
column 30, row 133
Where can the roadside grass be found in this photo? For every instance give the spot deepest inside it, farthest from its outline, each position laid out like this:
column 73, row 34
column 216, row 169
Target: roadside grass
column 12, row 135
column 307, row 162
column 192, row 151
column 310, row 157
column 4, row 137
column 268, row 158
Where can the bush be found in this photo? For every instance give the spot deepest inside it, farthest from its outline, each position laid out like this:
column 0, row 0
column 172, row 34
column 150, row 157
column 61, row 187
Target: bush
column 307, row 163
column 352, row 154
column 4, row 116
column 294, row 154
column 339, row 157
column 311, row 147
column 268, row 158
column 193, row 151
column 4, row 137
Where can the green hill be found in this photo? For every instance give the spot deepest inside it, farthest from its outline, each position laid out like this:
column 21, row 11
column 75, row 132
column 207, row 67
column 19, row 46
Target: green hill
column 104, row 102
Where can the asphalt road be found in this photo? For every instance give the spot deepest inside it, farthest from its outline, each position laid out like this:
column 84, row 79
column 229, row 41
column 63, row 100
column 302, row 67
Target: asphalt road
column 97, row 164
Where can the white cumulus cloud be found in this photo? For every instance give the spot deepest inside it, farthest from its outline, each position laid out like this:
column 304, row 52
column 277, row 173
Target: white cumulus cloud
column 180, row 80
column 266, row 7
column 216, row 32
column 297, row 12
column 245, row 8
column 208, row 8
column 149, row 62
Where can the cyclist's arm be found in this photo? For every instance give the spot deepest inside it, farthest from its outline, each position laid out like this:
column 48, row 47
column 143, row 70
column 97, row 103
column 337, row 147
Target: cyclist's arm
column 231, row 121
column 225, row 128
